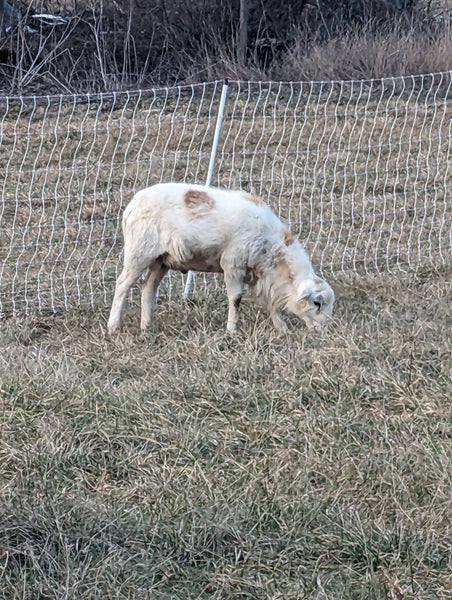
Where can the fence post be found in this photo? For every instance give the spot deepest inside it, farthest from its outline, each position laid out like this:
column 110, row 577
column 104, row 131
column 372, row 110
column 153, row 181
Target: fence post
column 216, row 137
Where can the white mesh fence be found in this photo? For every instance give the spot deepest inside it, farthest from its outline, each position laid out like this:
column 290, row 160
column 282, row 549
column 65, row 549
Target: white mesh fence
column 360, row 170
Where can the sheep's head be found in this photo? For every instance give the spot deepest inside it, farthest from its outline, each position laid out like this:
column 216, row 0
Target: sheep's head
column 313, row 302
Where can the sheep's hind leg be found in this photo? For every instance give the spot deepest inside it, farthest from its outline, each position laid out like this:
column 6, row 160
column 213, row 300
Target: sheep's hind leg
column 127, row 278
column 148, row 295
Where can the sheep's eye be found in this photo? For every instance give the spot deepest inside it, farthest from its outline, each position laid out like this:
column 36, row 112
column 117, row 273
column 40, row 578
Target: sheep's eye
column 318, row 304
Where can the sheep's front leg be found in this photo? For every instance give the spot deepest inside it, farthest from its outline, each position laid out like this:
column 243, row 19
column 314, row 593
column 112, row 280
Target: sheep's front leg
column 234, row 288
column 148, row 295
column 277, row 321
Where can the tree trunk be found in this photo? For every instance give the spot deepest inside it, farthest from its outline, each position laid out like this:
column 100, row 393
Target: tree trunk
column 243, row 33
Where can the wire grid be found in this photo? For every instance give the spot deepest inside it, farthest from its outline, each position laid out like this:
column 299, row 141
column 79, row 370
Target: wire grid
column 358, row 169
column 69, row 166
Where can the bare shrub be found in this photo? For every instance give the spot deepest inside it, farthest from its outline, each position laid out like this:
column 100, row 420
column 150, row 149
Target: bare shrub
column 369, row 52
column 129, row 44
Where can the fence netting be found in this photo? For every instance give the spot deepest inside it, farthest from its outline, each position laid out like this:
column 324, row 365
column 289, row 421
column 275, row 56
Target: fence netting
column 360, row 170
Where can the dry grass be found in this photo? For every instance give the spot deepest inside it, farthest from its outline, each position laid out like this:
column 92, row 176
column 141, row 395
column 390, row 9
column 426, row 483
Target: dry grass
column 189, row 464
column 369, row 53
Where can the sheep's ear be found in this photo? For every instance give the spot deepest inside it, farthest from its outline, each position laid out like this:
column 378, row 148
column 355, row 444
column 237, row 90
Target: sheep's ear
column 305, row 291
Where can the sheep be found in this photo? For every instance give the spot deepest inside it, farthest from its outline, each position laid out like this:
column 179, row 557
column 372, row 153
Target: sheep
column 190, row 227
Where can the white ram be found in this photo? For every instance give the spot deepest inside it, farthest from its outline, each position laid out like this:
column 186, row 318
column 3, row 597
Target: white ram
column 198, row 228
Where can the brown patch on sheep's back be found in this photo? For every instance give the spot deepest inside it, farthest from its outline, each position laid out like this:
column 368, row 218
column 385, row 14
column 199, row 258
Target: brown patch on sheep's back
column 288, row 237
column 198, row 202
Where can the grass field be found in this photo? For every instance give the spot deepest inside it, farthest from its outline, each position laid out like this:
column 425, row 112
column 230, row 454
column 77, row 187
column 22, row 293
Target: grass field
column 187, row 464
